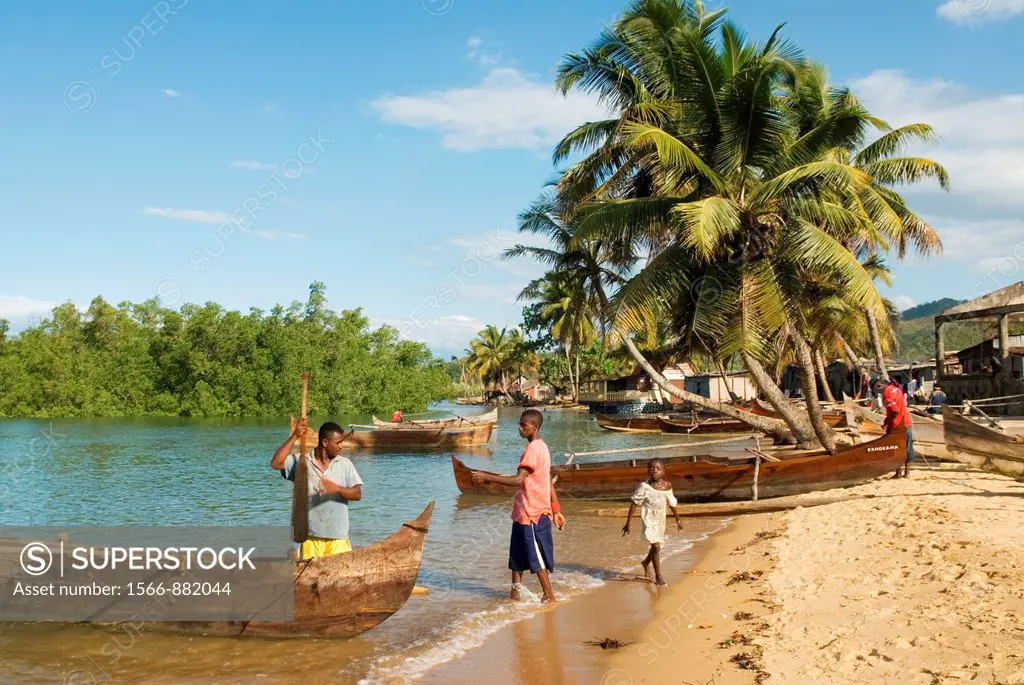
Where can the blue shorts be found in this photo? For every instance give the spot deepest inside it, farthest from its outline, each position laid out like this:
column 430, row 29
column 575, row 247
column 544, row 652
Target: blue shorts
column 910, row 444
column 531, row 547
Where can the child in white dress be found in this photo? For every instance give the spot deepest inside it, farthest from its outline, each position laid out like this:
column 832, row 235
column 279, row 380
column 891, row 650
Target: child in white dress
column 653, row 496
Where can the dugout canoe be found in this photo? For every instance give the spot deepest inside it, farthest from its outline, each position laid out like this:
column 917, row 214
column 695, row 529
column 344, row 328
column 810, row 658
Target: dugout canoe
column 449, row 422
column 413, row 438
column 976, row 444
column 691, row 427
column 341, row 595
column 629, row 424
column 835, row 418
column 706, row 478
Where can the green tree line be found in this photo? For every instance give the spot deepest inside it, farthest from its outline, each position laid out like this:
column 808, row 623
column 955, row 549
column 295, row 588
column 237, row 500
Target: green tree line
column 145, row 360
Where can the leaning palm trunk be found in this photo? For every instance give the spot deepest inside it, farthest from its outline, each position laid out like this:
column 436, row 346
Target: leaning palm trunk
column 773, row 427
column 725, row 381
column 573, row 390
column 797, row 422
column 876, row 343
column 856, row 364
column 819, row 364
column 807, row 379
column 577, row 393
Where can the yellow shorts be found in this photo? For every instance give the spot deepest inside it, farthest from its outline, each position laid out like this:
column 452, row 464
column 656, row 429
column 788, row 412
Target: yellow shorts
column 314, row 548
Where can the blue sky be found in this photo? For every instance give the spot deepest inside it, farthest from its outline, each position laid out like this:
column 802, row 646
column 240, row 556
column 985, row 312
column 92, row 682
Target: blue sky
column 235, row 152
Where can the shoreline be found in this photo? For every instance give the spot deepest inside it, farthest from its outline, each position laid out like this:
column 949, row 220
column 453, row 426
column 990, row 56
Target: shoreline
column 551, row 646
column 917, row 580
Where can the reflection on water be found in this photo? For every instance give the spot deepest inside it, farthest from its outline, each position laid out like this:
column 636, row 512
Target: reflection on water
column 174, row 471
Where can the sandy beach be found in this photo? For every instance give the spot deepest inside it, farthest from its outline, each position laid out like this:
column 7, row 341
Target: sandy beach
column 918, row 580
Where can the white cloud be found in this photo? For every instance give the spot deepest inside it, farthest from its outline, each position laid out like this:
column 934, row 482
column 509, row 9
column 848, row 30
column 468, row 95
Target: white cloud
column 201, row 216
column 983, row 244
column 251, row 165
column 902, row 302
column 480, row 56
column 443, row 334
column 170, row 93
column 979, row 11
column 206, row 216
column 17, row 307
column 269, row 107
column 505, row 110
column 277, row 235
column 982, row 136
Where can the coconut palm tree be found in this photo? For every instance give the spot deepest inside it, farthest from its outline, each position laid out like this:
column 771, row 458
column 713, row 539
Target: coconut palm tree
column 729, row 164
column 491, row 354
column 600, row 265
column 568, row 309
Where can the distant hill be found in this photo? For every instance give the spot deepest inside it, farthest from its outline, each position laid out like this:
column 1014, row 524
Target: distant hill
column 915, row 332
column 929, row 308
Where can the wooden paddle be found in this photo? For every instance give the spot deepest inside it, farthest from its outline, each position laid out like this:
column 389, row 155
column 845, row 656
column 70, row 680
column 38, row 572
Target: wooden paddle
column 300, row 490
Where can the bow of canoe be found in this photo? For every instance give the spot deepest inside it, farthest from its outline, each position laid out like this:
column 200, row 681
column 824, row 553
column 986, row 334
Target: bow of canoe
column 340, row 595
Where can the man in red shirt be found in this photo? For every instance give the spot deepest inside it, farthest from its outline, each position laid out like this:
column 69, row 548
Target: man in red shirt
column 897, row 416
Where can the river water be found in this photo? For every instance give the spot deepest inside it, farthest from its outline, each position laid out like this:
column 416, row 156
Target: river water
column 215, row 472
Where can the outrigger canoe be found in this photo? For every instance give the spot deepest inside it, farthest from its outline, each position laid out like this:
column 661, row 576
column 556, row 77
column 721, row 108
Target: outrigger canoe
column 693, row 427
column 973, row 443
column 836, row 418
column 449, row 422
column 707, row 478
column 629, row 424
column 412, row 438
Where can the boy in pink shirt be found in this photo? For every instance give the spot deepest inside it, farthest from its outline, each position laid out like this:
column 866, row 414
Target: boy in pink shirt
column 536, row 505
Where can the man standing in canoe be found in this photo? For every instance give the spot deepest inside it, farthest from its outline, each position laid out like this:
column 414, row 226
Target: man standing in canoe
column 897, row 416
column 531, row 547
column 333, row 483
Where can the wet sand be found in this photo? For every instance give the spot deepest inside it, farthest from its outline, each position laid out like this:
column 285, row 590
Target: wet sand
column 551, row 646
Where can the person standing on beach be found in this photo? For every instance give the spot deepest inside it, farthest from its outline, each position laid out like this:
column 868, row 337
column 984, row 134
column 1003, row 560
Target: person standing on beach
column 936, row 401
column 653, row 496
column 531, row 547
column 333, row 483
column 897, row 416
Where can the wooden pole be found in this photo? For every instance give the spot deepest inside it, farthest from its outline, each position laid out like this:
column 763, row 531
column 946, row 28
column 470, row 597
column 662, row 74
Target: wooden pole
column 1004, row 346
column 757, row 473
column 940, row 353
column 572, row 455
column 300, row 489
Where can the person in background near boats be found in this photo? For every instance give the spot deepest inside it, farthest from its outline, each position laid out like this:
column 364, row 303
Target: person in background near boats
column 911, row 387
column 333, row 483
column 936, row 401
column 396, row 417
column 531, row 547
column 897, row 416
column 653, row 496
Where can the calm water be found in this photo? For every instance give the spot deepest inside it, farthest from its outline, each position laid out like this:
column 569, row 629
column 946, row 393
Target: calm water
column 214, row 472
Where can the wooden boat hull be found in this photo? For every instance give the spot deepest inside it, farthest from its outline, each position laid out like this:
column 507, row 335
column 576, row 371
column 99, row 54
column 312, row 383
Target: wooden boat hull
column 338, row 596
column 703, row 427
column 711, row 479
column 629, row 424
column 835, row 418
column 413, row 438
column 979, row 445
column 452, row 422
column 928, row 440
